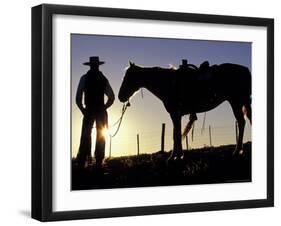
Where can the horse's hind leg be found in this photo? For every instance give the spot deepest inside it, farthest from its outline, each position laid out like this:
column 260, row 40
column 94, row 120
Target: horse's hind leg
column 239, row 115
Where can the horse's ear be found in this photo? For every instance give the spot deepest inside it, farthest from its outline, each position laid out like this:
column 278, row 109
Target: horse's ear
column 131, row 64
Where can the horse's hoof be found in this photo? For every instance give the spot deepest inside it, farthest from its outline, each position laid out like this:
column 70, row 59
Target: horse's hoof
column 175, row 165
column 175, row 159
column 238, row 153
column 171, row 159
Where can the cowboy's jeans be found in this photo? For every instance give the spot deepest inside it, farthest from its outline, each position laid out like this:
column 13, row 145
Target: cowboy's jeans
column 100, row 120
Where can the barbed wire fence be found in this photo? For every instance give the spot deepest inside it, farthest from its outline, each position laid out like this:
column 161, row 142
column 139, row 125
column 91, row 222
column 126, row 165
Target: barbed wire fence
column 162, row 140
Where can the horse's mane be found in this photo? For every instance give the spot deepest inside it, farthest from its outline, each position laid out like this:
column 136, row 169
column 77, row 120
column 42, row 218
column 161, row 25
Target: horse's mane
column 172, row 70
column 161, row 69
column 157, row 69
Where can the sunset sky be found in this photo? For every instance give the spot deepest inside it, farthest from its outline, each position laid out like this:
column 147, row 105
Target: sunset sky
column 146, row 114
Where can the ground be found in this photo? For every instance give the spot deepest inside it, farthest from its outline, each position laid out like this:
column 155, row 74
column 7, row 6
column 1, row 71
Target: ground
column 199, row 166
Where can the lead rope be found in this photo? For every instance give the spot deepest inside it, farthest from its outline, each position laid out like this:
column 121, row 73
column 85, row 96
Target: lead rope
column 119, row 121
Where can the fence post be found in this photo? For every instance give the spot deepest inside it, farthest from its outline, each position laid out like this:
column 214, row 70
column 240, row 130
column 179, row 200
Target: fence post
column 210, row 136
column 163, row 137
column 236, row 131
column 138, row 144
column 186, row 141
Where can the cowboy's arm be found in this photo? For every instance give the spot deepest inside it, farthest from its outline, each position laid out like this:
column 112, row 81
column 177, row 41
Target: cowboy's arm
column 110, row 95
column 79, row 95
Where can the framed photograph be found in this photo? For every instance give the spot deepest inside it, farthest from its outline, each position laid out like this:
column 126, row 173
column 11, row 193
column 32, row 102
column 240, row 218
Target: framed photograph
column 146, row 112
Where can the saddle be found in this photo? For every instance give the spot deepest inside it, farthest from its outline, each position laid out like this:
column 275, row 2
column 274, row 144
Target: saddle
column 207, row 72
column 204, row 71
column 193, row 73
column 197, row 77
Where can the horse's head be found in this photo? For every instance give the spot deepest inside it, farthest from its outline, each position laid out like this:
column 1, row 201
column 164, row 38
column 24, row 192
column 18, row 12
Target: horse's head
column 130, row 84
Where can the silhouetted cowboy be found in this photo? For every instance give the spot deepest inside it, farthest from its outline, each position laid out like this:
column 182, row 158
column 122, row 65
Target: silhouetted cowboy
column 93, row 85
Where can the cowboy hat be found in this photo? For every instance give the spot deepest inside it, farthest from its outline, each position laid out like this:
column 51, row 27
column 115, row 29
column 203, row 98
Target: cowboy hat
column 94, row 60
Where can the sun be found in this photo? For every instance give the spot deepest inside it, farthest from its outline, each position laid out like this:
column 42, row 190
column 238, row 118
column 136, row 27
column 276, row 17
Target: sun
column 105, row 132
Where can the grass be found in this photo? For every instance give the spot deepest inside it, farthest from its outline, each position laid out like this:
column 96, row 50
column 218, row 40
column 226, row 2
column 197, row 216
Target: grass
column 199, row 166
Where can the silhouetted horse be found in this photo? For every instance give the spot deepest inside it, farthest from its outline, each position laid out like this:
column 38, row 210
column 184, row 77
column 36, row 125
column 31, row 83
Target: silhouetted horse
column 193, row 91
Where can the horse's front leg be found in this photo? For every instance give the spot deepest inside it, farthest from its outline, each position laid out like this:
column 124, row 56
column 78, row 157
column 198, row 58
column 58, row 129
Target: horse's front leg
column 177, row 150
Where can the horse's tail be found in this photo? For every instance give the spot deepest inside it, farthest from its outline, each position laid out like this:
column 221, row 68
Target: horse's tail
column 247, row 109
column 247, row 106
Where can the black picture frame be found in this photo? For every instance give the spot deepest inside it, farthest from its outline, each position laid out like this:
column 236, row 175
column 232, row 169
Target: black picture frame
column 42, row 111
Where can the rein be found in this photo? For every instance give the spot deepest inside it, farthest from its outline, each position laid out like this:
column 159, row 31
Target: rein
column 119, row 121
